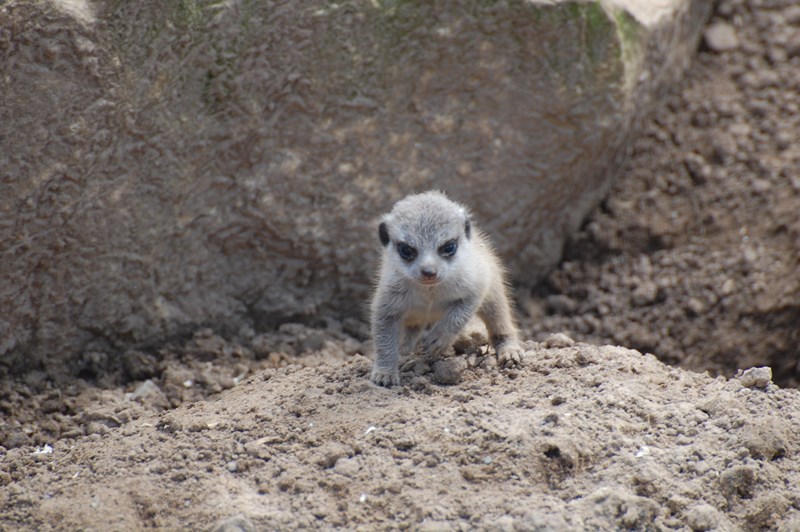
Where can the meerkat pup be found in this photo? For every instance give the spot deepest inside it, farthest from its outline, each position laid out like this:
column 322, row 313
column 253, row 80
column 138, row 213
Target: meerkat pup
column 437, row 272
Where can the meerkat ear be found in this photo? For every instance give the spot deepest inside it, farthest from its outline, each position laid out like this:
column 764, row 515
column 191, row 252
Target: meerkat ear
column 383, row 234
column 467, row 228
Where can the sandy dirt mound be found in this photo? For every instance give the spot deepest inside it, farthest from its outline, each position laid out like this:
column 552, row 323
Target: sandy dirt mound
column 579, row 437
column 42, row 407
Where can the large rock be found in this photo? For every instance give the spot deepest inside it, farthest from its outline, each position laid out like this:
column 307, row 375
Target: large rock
column 172, row 164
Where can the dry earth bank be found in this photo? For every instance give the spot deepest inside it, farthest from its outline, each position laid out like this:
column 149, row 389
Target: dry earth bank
column 578, row 437
column 695, row 256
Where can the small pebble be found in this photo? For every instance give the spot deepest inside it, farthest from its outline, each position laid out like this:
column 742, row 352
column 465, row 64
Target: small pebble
column 449, row 371
column 702, row 517
column 331, row 453
column 645, row 294
column 237, row 523
column 258, row 449
column 421, row 368
column 148, row 387
column 792, row 14
column 695, row 307
column 347, row 467
column 758, row 377
column 721, row 37
column 559, row 340
column 783, row 140
column 434, row 526
column 504, row 523
column 728, row 287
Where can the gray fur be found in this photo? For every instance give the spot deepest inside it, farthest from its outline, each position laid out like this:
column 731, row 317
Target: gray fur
column 471, row 282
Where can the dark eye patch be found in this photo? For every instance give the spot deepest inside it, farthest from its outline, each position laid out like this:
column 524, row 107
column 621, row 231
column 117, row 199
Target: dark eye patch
column 448, row 249
column 406, row 252
column 383, row 234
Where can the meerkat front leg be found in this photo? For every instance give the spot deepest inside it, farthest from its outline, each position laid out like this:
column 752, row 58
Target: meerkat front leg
column 496, row 314
column 386, row 335
column 445, row 331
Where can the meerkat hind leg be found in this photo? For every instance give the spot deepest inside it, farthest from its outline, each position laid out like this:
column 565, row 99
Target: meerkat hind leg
column 442, row 335
column 472, row 336
column 509, row 351
column 410, row 338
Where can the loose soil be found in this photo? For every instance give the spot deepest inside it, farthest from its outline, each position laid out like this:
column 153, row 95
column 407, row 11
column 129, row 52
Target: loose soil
column 579, row 437
column 695, row 257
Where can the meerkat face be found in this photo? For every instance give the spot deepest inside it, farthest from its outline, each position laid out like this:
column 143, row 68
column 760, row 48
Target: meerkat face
column 426, row 236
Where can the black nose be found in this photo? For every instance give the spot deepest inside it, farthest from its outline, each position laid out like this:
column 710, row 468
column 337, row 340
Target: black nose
column 428, row 274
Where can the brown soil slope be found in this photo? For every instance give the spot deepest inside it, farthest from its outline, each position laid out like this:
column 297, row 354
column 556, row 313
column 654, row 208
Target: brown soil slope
column 695, row 256
column 579, row 437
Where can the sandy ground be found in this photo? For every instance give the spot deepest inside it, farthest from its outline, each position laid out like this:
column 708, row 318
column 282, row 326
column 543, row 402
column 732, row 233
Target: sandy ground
column 578, row 437
column 694, row 258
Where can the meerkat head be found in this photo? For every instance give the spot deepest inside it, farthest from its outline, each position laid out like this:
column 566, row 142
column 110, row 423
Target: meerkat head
column 426, row 236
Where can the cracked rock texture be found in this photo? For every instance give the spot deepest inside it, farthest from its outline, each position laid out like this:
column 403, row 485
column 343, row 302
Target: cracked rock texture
column 169, row 165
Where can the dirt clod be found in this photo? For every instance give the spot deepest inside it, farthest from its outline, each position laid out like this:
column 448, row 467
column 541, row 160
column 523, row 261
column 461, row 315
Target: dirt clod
column 758, row 377
column 449, row 371
column 559, row 340
column 703, row 517
column 721, row 37
column 234, row 524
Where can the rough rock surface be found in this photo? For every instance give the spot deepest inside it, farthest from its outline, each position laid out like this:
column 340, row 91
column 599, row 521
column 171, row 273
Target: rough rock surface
column 580, row 437
column 167, row 165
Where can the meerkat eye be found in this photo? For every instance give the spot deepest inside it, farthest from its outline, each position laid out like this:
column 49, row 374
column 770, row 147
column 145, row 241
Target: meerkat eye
column 407, row 253
column 448, row 249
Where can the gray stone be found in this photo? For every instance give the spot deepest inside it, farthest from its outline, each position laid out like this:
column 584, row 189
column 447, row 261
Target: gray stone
column 703, row 517
column 645, row 294
column 238, row 523
column 766, row 439
column 429, row 525
column 348, row 467
column 330, row 454
column 150, row 394
column 721, row 37
column 558, row 340
column 449, row 370
column 758, row 377
column 170, row 164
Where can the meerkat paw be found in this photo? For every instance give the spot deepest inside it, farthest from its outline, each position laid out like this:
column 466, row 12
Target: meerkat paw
column 385, row 377
column 509, row 354
column 435, row 345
